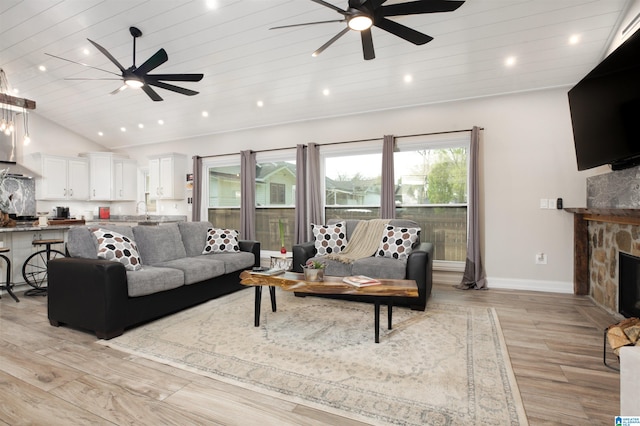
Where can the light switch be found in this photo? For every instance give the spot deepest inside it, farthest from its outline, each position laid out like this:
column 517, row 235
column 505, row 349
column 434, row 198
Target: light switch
column 544, row 203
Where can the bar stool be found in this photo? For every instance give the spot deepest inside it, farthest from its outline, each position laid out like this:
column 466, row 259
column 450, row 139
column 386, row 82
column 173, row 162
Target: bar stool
column 34, row 269
column 8, row 284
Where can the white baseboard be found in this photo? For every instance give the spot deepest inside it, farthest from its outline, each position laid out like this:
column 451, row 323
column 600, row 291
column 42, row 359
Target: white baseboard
column 530, row 285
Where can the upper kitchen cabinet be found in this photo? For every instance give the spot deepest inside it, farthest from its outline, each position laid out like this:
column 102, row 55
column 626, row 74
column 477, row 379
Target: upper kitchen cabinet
column 100, row 175
column 167, row 176
column 111, row 177
column 125, row 179
column 63, row 178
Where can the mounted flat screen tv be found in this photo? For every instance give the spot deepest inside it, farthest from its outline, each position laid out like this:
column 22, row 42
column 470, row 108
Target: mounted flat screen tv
column 605, row 110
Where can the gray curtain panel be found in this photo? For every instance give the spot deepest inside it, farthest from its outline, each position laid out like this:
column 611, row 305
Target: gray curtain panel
column 387, row 197
column 314, row 177
column 247, row 195
column 474, row 275
column 300, row 228
column 196, row 203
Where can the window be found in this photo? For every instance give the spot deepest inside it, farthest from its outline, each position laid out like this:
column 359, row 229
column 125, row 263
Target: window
column 430, row 188
column 275, row 196
column 222, row 191
column 353, row 182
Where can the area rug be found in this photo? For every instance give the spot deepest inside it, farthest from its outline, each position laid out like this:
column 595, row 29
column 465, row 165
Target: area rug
column 445, row 366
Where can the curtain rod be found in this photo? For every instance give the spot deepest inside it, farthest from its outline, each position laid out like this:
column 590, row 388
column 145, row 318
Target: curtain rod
column 344, row 142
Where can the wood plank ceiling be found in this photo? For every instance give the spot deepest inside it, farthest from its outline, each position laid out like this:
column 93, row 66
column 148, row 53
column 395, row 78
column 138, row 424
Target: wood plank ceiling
column 244, row 62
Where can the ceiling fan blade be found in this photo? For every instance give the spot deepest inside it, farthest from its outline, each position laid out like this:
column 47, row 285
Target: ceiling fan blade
column 307, row 23
column 367, row 44
column 158, row 58
column 152, row 93
column 173, row 88
column 417, row 7
column 330, row 42
column 174, row 77
column 403, row 32
column 330, row 6
column 119, row 89
column 107, row 54
column 91, row 79
column 80, row 63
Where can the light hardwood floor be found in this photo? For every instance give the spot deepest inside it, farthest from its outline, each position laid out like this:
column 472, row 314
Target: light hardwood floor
column 52, row 375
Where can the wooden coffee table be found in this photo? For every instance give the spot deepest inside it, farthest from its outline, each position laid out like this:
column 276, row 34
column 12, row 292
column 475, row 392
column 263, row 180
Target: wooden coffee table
column 291, row 281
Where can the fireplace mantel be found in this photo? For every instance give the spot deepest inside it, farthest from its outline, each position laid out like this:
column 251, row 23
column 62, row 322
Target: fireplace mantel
column 612, row 215
column 581, row 218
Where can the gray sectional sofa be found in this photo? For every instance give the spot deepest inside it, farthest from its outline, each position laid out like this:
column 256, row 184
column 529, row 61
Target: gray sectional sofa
column 102, row 296
column 417, row 266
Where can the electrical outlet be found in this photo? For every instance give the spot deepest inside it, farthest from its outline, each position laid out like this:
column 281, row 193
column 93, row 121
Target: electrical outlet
column 541, row 259
column 544, row 203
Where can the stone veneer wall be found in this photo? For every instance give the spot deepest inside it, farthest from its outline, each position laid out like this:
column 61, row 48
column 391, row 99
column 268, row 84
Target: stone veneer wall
column 606, row 240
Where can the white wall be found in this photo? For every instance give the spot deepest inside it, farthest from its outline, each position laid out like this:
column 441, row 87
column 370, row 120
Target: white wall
column 526, row 154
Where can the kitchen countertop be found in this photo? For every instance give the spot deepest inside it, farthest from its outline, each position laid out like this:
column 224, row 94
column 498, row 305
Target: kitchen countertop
column 133, row 220
column 26, row 228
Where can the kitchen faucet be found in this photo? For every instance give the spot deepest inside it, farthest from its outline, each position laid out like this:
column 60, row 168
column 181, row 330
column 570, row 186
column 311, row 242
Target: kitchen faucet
column 140, row 210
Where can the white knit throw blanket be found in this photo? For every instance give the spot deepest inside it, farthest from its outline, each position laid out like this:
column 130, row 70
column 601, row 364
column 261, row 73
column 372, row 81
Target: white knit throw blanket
column 363, row 243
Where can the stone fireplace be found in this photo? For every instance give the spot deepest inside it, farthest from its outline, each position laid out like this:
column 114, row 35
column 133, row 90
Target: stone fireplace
column 610, row 225
column 606, row 243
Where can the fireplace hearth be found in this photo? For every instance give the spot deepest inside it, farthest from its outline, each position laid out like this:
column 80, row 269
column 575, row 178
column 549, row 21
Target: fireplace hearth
column 629, row 285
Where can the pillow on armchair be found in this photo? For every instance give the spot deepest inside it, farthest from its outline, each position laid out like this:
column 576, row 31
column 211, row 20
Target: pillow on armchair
column 329, row 238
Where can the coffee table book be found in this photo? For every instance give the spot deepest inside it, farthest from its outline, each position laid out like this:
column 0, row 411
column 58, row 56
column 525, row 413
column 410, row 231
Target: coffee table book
column 361, row 281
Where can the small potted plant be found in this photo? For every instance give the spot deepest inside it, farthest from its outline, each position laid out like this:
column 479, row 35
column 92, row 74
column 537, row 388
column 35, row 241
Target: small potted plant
column 314, row 270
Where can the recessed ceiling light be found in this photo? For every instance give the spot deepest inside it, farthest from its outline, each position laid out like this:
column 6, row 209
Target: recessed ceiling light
column 86, row 51
column 205, row 114
column 510, row 61
column 408, row 78
column 212, row 4
column 260, row 104
column 15, row 91
column 42, row 68
column 140, row 126
column 100, row 134
column 326, row 92
column 574, row 39
column 161, row 122
column 123, row 129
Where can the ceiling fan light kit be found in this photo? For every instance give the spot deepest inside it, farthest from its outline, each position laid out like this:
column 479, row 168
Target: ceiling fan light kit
column 361, row 15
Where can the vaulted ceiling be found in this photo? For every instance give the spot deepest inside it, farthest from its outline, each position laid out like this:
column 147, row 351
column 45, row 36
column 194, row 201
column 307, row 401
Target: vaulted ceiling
column 244, row 62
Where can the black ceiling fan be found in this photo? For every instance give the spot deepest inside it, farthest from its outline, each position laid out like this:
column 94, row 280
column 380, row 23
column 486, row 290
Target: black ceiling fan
column 139, row 77
column 361, row 15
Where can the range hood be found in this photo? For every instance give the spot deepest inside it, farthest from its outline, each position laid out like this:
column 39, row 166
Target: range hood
column 18, row 169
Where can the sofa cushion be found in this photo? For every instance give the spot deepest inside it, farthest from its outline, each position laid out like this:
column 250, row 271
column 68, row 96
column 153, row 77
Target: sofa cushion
column 118, row 248
column 159, row 243
column 196, row 269
column 83, row 244
column 221, row 241
column 380, row 267
column 151, row 279
column 334, row 267
column 329, row 238
column 232, row 261
column 397, row 242
column 194, row 236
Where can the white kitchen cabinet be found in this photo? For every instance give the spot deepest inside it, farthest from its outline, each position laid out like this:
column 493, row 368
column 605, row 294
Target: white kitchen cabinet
column 100, row 175
column 167, row 176
column 125, row 179
column 63, row 178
